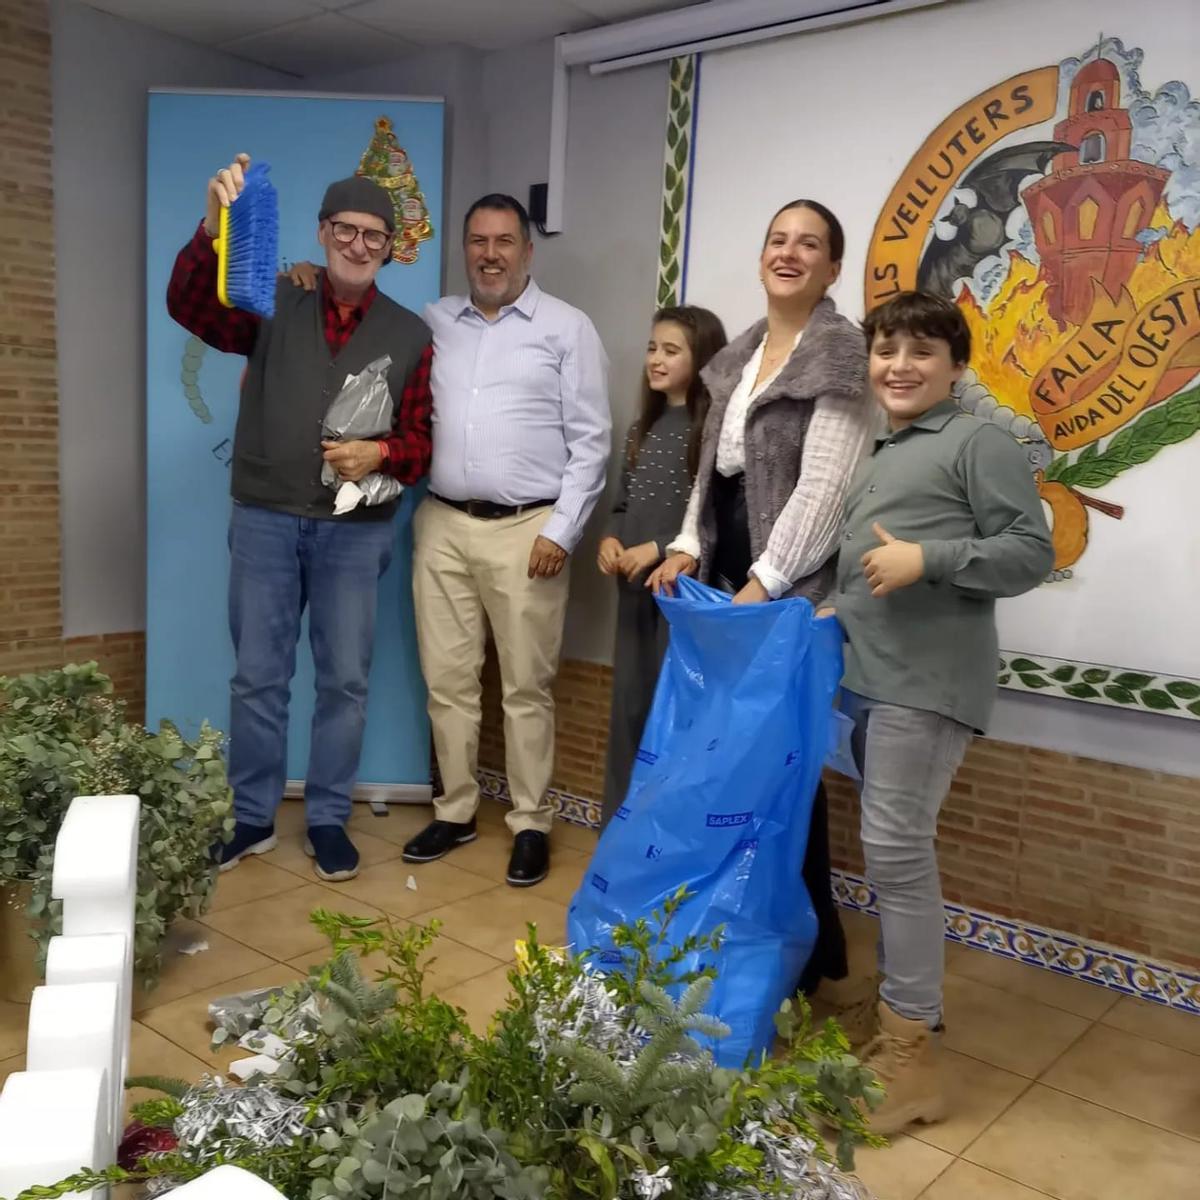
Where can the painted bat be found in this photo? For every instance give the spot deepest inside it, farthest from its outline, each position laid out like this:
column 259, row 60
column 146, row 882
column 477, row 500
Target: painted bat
column 982, row 230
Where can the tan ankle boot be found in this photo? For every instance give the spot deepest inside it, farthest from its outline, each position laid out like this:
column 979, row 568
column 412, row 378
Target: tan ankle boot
column 905, row 1057
column 853, row 1003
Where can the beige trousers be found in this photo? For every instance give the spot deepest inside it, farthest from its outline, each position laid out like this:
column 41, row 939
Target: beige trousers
column 468, row 574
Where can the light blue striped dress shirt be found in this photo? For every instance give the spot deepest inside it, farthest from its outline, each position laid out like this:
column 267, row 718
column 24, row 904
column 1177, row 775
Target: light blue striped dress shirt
column 520, row 407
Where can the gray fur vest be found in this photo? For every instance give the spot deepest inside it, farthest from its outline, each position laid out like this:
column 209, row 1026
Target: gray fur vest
column 829, row 361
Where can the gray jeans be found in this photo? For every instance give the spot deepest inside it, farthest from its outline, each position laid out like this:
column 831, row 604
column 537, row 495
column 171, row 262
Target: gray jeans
column 907, row 758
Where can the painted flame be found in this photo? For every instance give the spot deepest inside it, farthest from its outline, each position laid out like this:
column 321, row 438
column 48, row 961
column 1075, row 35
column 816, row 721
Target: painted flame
column 1013, row 337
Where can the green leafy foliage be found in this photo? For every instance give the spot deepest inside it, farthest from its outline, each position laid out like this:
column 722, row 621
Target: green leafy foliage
column 61, row 736
column 403, row 1099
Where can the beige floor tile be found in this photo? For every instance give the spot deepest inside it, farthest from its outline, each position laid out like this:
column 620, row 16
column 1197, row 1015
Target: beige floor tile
column 1035, row 983
column 965, row 1181
column 955, row 951
column 400, row 823
column 493, row 812
column 567, row 869
column 152, row 1054
column 280, row 927
column 289, row 818
column 1147, row 1080
column 1074, row 1150
column 862, row 940
column 252, row 879
column 183, row 974
column 14, row 1024
column 494, row 920
column 437, row 883
column 487, row 855
column 902, row 1170
column 1006, row 1030
column 447, row 963
column 977, row 1095
column 10, row 1066
column 1154, row 1021
column 450, row 963
column 185, row 1022
column 578, row 837
column 290, row 855
column 480, row 998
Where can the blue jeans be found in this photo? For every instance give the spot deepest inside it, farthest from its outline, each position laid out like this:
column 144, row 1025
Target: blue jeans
column 279, row 565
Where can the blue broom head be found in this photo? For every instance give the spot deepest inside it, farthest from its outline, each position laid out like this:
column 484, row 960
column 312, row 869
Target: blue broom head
column 253, row 249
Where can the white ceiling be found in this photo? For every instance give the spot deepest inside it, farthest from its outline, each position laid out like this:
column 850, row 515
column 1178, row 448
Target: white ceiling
column 306, row 37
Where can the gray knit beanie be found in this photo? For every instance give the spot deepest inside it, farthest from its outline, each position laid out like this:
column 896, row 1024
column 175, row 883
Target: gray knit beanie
column 359, row 194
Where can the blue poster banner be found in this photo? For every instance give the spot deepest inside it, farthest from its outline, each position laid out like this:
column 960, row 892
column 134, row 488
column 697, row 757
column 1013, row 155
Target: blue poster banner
column 192, row 396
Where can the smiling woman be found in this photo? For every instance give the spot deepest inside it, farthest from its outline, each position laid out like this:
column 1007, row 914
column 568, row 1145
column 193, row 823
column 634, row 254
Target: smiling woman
column 787, row 423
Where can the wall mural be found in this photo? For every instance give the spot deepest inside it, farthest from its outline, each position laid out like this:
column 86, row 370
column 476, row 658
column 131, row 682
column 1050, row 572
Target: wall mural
column 1076, row 261
column 1060, row 209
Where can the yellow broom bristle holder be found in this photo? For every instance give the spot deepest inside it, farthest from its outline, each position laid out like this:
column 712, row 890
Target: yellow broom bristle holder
column 221, row 246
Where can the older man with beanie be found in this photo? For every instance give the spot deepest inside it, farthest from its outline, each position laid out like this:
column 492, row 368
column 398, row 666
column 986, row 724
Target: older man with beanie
column 288, row 550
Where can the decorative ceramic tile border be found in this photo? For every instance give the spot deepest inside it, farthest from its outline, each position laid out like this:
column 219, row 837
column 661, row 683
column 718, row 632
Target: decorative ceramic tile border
column 575, row 809
column 677, row 179
column 1172, row 695
column 1062, row 953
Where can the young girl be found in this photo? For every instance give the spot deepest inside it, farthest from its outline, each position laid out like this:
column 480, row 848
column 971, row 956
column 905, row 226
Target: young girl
column 661, row 454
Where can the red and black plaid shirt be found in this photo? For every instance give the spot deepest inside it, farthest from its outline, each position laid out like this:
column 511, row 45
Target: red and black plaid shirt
column 192, row 301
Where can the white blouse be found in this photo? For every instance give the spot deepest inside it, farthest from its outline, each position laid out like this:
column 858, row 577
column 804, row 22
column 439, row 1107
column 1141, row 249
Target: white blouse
column 731, row 446
column 807, row 530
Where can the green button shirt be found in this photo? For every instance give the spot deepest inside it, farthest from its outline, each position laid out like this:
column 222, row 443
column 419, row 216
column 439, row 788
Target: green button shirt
column 963, row 489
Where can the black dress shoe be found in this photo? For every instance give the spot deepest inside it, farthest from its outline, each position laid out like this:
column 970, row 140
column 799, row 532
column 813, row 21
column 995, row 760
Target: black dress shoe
column 530, row 861
column 437, row 839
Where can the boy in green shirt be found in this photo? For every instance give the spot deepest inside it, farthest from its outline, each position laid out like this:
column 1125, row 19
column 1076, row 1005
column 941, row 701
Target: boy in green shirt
column 942, row 518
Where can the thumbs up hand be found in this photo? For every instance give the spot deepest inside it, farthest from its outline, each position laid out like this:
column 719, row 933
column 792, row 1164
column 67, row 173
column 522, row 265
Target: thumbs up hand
column 893, row 564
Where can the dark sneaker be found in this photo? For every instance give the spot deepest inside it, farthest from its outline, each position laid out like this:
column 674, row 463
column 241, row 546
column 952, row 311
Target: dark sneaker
column 530, row 861
column 334, row 852
column 437, row 839
column 247, row 839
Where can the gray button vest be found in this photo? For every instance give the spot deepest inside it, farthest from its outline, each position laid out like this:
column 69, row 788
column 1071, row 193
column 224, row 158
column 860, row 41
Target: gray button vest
column 290, row 379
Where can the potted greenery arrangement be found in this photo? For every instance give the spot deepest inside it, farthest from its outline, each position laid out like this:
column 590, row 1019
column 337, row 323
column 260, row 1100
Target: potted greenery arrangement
column 62, row 735
column 583, row 1086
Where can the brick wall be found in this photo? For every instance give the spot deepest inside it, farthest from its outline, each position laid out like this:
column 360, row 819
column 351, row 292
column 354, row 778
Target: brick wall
column 1105, row 852
column 30, row 603
column 122, row 657
column 30, row 549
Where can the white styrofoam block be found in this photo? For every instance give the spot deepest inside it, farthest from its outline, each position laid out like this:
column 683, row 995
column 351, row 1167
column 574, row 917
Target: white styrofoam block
column 78, row 1025
column 99, row 958
column 63, row 1112
column 52, row 1123
column 227, row 1183
column 95, row 864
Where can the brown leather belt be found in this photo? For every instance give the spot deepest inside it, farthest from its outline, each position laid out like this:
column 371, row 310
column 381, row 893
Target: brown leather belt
column 485, row 510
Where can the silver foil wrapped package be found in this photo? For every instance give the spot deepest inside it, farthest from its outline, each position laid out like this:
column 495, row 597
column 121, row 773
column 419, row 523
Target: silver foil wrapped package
column 361, row 410
column 239, row 1014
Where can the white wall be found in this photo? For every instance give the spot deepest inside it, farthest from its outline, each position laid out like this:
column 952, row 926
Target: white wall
column 456, row 74
column 101, row 68
column 604, row 262
column 850, row 161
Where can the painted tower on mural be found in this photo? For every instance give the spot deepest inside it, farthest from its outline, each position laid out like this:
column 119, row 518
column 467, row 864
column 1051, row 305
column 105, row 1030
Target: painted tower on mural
column 1088, row 212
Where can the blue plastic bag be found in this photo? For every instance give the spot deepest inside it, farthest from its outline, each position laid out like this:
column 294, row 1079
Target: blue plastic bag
column 720, row 800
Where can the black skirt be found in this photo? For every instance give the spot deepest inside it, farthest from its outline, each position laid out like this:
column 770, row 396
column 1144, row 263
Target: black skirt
column 732, row 559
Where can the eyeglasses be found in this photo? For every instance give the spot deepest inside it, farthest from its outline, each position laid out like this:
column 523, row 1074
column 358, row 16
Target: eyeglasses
column 373, row 239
